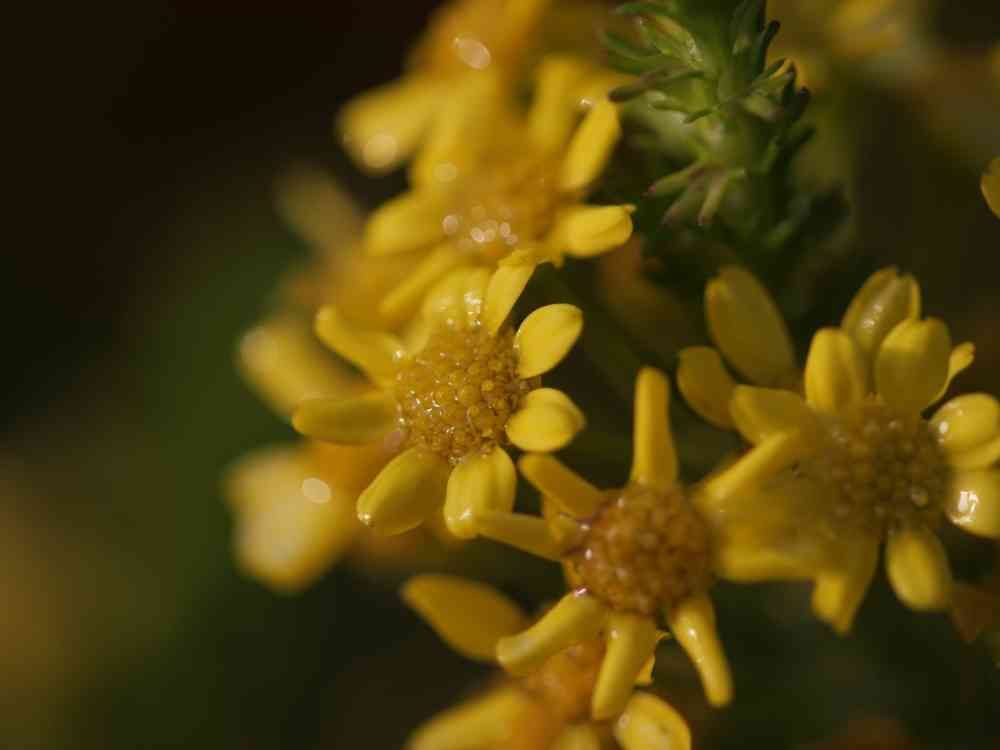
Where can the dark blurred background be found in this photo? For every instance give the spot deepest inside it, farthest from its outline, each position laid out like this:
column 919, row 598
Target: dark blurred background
column 152, row 138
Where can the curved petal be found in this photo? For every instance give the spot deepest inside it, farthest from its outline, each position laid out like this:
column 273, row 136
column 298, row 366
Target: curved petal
column 912, row 365
column 457, row 297
column 979, row 457
column 918, row 569
column 631, row 642
column 755, row 467
column 693, row 624
column 352, row 421
column 528, row 533
column 966, row 422
column 836, row 376
column 838, row 593
column 654, row 460
column 744, row 322
column 547, row 422
column 885, row 300
column 759, row 413
column 577, row 737
column 990, row 185
column 586, row 231
column 480, row 482
column 405, row 298
column 485, row 722
column 788, row 550
column 545, row 337
column 705, row 384
column 553, row 111
column 973, row 502
column 409, row 222
column 962, row 355
column 576, row 617
column 372, row 351
column 591, row 146
column 469, row 616
column 649, row 723
column 574, row 494
column 405, row 492
column 505, row 287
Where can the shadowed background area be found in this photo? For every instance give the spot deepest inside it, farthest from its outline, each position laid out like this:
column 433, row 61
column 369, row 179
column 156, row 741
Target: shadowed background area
column 156, row 244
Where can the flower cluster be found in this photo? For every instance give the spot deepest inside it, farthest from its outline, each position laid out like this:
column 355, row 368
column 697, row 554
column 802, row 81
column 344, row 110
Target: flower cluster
column 413, row 357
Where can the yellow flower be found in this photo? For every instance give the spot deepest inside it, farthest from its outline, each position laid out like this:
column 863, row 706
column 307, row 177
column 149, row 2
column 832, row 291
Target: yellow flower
column 990, row 185
column 463, row 386
column 854, row 463
column 507, row 190
column 544, row 710
column 632, row 555
column 467, row 39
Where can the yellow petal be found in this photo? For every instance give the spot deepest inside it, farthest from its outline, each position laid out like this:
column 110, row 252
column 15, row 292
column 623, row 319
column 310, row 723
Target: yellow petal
column 409, row 222
column 313, row 203
column 586, row 231
column 574, row 494
column 649, row 723
column 505, row 287
column 547, row 420
column 966, row 422
column 631, row 641
column 350, row 421
column 553, row 111
column 973, row 502
column 405, row 492
column 591, row 146
column 836, row 376
column 918, row 569
column 528, row 533
column 912, row 364
column 403, row 300
column 757, row 466
column 744, row 322
column 469, row 616
column 545, row 337
column 654, row 460
column 990, row 183
column 838, row 593
column 884, row 301
column 759, row 550
column 576, row 617
column 962, row 355
column 457, row 298
column 283, row 360
column 979, row 457
column 291, row 526
column 759, row 413
column 485, row 722
column 478, row 483
column 372, row 351
column 577, row 737
column 705, row 384
column 693, row 625
column 381, row 128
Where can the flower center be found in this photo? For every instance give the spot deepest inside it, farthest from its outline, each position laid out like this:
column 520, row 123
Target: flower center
column 509, row 202
column 644, row 551
column 456, row 395
column 885, row 467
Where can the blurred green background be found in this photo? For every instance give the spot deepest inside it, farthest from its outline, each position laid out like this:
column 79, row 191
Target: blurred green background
column 155, row 243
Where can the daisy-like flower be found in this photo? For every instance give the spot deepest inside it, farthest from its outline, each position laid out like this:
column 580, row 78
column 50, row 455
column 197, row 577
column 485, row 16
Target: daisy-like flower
column 854, row 462
column 544, row 710
column 990, row 184
column 466, row 39
column 449, row 401
column 508, row 191
column 633, row 556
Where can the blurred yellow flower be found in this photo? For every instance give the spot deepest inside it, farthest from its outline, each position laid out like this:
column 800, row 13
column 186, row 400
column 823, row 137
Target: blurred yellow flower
column 463, row 386
column 632, row 555
column 466, row 39
column 545, row 710
column 990, row 185
column 504, row 189
column 854, row 463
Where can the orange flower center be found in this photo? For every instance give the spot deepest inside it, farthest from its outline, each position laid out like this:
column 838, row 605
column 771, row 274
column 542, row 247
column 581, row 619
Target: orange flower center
column 644, row 551
column 456, row 395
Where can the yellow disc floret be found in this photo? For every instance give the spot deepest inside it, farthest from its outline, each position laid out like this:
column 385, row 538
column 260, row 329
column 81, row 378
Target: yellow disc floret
column 644, row 551
column 456, row 395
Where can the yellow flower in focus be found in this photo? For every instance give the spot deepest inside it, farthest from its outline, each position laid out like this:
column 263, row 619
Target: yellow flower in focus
column 633, row 555
column 855, row 463
column 508, row 190
column 463, row 387
column 465, row 39
column 990, row 185
column 545, row 710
